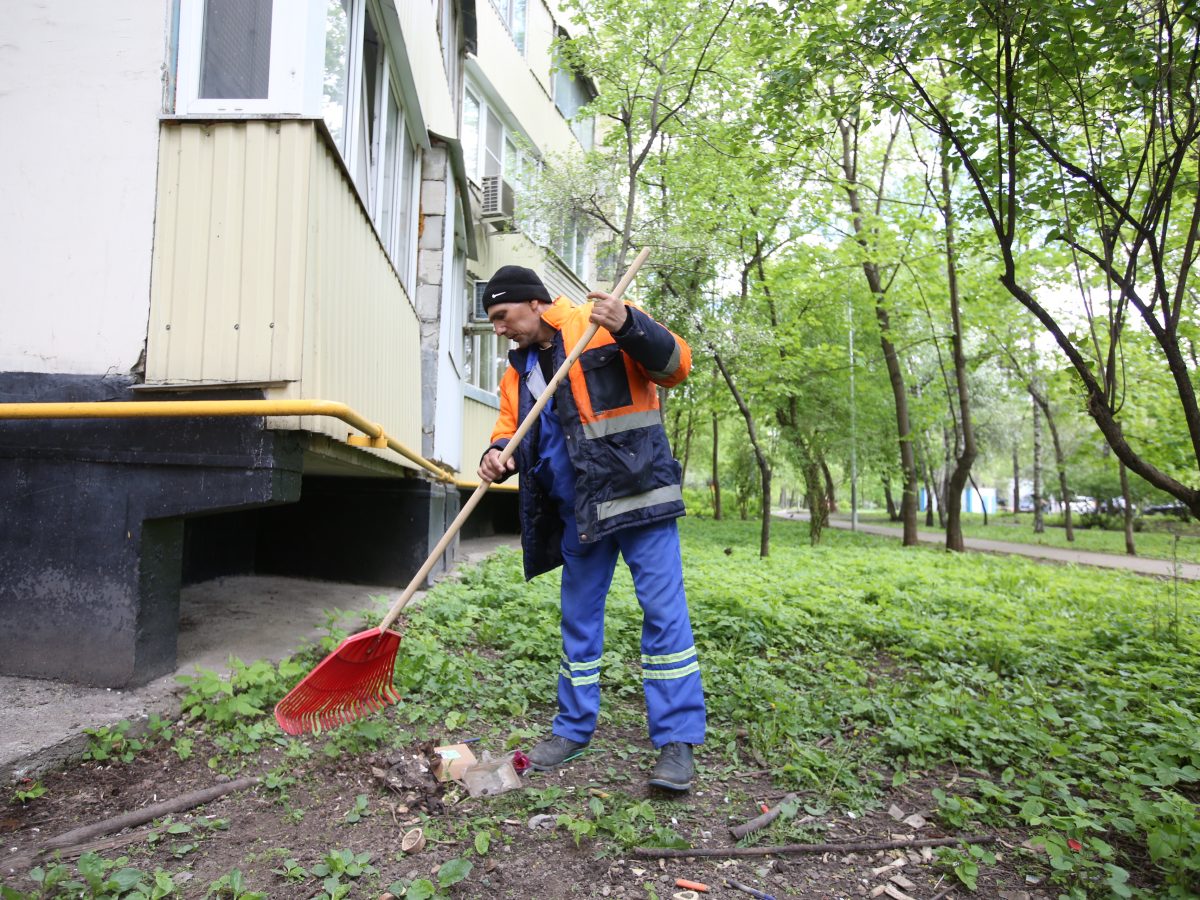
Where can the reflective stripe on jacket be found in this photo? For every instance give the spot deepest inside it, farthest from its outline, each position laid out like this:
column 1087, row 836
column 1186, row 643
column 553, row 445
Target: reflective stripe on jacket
column 608, row 406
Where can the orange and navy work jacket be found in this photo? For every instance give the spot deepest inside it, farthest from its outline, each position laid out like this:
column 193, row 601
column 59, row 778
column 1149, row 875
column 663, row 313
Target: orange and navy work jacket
column 625, row 474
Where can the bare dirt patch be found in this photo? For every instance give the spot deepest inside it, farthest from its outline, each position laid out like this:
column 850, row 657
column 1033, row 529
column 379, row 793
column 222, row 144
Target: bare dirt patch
column 319, row 812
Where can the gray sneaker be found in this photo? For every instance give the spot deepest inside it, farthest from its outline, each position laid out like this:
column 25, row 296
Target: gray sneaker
column 554, row 751
column 674, row 769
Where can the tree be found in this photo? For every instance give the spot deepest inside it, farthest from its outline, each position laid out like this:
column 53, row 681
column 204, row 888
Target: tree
column 1080, row 125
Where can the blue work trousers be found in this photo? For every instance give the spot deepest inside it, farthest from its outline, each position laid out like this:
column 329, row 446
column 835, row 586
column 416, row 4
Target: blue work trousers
column 670, row 670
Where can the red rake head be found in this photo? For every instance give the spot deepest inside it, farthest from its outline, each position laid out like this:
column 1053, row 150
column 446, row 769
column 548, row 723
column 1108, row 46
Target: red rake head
column 352, row 681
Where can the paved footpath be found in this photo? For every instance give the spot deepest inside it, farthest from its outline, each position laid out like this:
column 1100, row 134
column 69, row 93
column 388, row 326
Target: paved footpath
column 1162, row 568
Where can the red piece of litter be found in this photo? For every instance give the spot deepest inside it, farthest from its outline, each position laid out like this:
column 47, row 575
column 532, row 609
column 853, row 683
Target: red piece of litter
column 1074, row 844
column 520, row 761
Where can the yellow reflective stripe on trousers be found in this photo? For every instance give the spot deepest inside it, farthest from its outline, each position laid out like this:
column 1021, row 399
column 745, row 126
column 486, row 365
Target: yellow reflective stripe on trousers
column 609, row 508
column 664, row 674
column 577, row 680
column 580, row 666
column 643, row 418
column 669, row 658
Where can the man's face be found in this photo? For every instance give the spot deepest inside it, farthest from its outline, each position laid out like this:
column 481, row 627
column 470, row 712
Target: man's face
column 519, row 321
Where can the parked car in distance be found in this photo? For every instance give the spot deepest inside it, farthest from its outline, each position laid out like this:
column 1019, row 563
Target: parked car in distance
column 1166, row 509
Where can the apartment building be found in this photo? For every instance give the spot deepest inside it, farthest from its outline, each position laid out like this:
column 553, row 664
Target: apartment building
column 284, row 202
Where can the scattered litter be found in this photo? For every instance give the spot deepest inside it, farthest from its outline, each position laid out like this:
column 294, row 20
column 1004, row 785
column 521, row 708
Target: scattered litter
column 520, row 762
column 896, row 812
column 902, row 882
column 745, row 888
column 895, row 893
column 452, row 761
column 413, row 841
column 691, row 885
column 545, row 820
column 486, row 779
column 1014, row 895
column 890, row 867
column 685, row 895
column 916, row 820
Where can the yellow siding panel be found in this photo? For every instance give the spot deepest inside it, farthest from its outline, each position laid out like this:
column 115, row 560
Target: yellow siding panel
column 362, row 343
column 230, row 236
column 478, row 421
column 267, row 269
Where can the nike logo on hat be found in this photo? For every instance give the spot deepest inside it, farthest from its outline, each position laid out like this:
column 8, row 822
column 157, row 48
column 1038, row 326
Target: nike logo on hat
column 499, row 294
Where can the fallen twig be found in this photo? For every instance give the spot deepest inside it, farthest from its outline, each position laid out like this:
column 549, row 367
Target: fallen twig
column 663, row 853
column 740, row 831
column 128, row 820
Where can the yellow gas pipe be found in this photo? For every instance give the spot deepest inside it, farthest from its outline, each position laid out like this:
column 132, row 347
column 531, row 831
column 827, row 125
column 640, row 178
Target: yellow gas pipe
column 372, row 435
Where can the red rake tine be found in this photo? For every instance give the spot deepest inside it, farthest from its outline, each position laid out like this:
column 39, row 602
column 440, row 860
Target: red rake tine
column 332, row 694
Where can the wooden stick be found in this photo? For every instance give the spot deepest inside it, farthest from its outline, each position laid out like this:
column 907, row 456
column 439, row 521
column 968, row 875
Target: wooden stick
column 129, row 820
column 657, row 852
column 740, row 831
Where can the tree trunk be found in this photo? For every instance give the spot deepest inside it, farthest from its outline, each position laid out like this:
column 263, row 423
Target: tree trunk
column 982, row 502
column 966, row 455
column 764, row 466
column 893, row 516
column 814, row 488
column 716, row 470
column 927, row 476
column 1060, row 461
column 1039, row 522
column 830, row 495
column 908, row 465
column 687, row 449
column 1016, row 507
column 1128, row 511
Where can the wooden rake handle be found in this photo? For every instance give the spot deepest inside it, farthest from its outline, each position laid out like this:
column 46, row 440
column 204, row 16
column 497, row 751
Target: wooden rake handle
column 507, row 452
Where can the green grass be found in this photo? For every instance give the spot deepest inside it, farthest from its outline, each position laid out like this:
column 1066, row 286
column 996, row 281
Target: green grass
column 1065, row 700
column 1071, row 693
column 1155, row 540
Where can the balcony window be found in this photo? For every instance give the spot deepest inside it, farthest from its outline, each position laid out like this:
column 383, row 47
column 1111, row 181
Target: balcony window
column 512, row 14
column 337, row 68
column 485, row 354
column 571, row 94
column 236, row 55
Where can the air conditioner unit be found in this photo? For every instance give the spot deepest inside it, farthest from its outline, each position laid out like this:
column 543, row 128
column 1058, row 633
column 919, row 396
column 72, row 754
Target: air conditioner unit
column 497, row 198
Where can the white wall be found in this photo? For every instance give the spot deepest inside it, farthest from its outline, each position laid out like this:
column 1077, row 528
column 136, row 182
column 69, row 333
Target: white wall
column 80, row 93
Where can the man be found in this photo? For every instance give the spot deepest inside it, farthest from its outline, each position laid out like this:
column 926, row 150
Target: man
column 598, row 478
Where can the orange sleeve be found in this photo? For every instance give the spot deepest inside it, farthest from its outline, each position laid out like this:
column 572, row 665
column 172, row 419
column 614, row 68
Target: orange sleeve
column 506, row 422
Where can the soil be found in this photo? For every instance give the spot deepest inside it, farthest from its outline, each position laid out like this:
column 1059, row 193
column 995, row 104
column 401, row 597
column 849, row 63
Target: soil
column 256, row 829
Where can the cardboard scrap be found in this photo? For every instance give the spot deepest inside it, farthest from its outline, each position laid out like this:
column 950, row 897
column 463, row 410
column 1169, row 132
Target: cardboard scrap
column 453, row 762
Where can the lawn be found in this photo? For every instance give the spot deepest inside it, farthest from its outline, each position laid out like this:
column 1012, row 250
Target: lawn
column 1156, row 539
column 1055, row 708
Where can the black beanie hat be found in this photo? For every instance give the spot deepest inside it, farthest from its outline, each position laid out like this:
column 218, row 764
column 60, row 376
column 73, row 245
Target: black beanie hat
column 514, row 284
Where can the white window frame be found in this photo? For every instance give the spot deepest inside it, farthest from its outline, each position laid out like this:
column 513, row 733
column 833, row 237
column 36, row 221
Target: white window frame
column 475, row 333
column 285, row 91
column 511, row 159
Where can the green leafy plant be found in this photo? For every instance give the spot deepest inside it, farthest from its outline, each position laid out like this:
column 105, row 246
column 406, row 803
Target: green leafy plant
column 112, row 743
column 30, row 791
column 232, row 885
column 357, row 810
column 339, row 866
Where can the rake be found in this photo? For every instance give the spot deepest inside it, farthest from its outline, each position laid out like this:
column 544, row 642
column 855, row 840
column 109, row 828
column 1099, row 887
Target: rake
column 356, row 678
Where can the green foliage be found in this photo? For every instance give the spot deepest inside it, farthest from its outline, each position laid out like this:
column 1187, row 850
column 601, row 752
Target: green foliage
column 232, row 885
column 849, row 660
column 30, row 791
column 96, row 878
column 357, row 810
column 112, row 742
column 339, row 867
